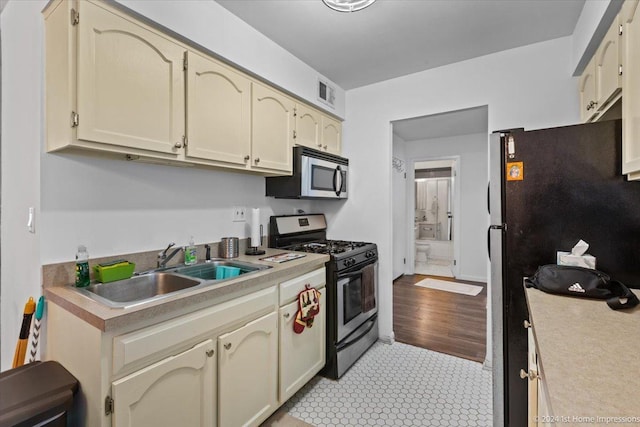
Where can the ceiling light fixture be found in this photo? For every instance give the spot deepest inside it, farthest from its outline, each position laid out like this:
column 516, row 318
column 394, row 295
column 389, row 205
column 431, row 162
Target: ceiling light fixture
column 348, row 5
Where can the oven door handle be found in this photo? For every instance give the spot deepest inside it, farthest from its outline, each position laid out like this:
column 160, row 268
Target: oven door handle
column 345, row 275
column 354, row 340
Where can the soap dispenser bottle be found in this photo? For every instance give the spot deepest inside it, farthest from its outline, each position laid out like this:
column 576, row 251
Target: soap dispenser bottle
column 82, row 267
column 190, row 253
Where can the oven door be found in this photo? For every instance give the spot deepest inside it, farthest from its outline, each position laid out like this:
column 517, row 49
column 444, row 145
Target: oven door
column 323, row 178
column 350, row 300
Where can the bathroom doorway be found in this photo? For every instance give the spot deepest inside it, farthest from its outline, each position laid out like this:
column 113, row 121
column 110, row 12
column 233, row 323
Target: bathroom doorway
column 433, row 217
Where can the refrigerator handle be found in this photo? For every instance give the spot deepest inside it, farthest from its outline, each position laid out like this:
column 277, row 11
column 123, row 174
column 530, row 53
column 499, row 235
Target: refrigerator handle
column 493, row 227
column 489, row 198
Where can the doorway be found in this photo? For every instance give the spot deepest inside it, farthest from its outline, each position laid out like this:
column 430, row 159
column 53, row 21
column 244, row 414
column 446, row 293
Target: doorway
column 439, row 232
column 433, row 217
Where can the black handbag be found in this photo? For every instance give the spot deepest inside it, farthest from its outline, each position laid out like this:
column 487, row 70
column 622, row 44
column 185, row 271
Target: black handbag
column 582, row 282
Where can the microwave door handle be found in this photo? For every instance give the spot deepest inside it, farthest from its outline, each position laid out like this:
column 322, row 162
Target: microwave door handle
column 337, row 180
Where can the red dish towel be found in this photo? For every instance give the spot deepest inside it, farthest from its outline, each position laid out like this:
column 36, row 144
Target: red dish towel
column 368, row 289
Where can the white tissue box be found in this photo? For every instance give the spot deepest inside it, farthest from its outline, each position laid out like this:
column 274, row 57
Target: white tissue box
column 567, row 258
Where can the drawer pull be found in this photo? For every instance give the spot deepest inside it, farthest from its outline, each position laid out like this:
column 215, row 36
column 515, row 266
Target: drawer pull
column 287, row 315
column 210, row 353
column 227, row 345
column 526, row 324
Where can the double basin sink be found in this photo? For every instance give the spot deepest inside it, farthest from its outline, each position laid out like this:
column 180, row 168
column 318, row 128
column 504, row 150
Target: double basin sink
column 164, row 282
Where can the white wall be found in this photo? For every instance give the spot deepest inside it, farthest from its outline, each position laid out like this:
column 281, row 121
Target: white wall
column 399, row 202
column 21, row 138
column 527, row 87
column 471, row 212
column 115, row 206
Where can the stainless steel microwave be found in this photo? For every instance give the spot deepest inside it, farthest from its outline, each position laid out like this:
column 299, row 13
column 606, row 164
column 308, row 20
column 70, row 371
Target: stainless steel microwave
column 316, row 175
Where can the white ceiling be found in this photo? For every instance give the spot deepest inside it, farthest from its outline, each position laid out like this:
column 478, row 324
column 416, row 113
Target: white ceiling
column 392, row 38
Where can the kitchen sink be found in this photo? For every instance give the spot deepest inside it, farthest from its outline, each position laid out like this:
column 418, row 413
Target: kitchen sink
column 212, row 271
column 164, row 282
column 138, row 289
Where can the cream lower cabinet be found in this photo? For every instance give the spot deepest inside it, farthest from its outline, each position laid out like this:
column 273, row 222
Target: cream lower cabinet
column 539, row 410
column 178, row 391
column 247, row 373
column 272, row 130
column 302, row 355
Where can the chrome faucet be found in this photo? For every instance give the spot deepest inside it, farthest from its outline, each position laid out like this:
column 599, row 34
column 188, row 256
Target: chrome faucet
column 163, row 258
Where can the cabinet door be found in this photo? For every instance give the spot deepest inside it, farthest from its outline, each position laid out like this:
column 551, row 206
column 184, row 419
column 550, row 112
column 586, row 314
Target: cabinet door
column 130, row 83
column 532, row 368
column 331, row 135
column 608, row 75
column 630, row 16
column 272, row 130
column 587, row 87
column 248, row 373
column 301, row 355
column 218, row 112
column 307, row 127
column 177, row 391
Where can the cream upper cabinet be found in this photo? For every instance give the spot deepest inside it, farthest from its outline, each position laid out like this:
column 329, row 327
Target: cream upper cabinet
column 587, row 87
column 630, row 17
column 177, row 391
column 130, row 83
column 331, row 135
column 218, row 112
column 272, row 130
column 248, row 373
column 608, row 66
column 307, row 127
column 119, row 87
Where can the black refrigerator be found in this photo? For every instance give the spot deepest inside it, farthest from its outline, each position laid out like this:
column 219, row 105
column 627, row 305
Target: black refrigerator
column 548, row 189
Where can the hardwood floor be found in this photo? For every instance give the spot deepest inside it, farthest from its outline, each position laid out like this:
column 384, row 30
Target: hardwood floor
column 441, row 321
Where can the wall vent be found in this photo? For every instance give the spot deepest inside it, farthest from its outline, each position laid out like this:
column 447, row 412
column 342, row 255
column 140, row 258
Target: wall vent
column 326, row 93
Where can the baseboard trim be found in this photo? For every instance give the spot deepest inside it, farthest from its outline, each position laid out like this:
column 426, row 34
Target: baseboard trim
column 472, row 278
column 388, row 339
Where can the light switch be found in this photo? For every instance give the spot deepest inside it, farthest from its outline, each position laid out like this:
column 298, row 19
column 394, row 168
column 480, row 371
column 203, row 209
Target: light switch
column 31, row 222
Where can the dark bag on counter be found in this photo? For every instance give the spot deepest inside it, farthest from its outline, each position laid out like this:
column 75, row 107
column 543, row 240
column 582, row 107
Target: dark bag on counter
column 582, row 282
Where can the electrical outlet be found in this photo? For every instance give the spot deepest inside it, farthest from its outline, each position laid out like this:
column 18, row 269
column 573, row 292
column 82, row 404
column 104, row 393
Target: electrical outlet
column 239, row 214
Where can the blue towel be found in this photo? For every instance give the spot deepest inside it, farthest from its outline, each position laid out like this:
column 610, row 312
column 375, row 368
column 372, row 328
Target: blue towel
column 224, row 272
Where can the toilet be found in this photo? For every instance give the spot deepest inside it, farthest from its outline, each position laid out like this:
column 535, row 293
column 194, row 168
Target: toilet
column 422, row 250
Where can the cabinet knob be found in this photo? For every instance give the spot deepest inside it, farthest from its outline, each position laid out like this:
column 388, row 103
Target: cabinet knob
column 526, row 324
column 246, row 158
column 257, row 160
column 209, row 353
column 287, row 315
column 530, row 375
column 178, row 144
column 591, row 105
column 325, row 147
column 320, row 145
column 227, row 345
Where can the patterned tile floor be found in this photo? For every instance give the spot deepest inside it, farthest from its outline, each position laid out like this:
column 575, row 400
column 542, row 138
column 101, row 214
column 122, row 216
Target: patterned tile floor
column 399, row 385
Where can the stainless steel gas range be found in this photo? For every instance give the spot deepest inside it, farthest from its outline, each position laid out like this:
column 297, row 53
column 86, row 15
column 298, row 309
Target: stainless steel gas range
column 352, row 286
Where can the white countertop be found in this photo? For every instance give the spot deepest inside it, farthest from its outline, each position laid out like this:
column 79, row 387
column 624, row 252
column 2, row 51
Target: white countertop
column 589, row 356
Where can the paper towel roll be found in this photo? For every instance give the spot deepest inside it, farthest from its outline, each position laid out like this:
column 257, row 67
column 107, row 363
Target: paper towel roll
column 255, row 227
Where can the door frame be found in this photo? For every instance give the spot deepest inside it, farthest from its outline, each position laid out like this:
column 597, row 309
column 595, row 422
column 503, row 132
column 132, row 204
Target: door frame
column 411, row 207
